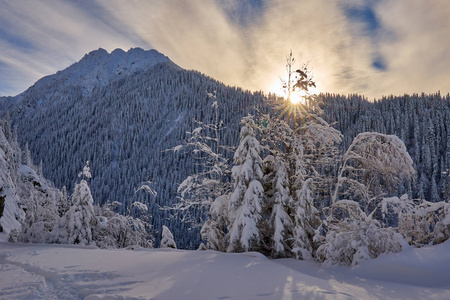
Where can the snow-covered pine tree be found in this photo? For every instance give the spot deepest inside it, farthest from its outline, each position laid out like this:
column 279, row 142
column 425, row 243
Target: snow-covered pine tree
column 308, row 155
column 86, row 173
column 245, row 201
column 26, row 157
column 280, row 222
column 75, row 225
column 276, row 224
column 306, row 221
column 63, row 202
column 167, row 240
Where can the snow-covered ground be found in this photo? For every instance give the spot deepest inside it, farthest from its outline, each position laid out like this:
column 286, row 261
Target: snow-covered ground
column 38, row 271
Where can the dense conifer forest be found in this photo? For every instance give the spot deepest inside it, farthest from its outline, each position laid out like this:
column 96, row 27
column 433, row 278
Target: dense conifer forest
column 422, row 122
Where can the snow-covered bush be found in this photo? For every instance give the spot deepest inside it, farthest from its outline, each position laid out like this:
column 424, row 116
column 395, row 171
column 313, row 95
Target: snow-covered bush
column 167, row 240
column 441, row 231
column 437, row 216
column 350, row 242
column 38, row 225
column 356, row 238
column 213, row 231
column 38, row 199
column 419, row 221
column 373, row 164
column 112, row 230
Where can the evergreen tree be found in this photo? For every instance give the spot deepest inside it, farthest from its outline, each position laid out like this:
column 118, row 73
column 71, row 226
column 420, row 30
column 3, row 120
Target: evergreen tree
column 75, row 225
column 277, row 201
column 305, row 222
column 78, row 220
column 246, row 199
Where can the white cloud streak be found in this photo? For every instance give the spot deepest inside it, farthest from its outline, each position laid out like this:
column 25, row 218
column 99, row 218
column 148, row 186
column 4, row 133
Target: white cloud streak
column 46, row 36
column 412, row 39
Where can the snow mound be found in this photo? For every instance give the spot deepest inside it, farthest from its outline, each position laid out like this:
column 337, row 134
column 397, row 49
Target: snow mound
column 427, row 267
column 38, row 271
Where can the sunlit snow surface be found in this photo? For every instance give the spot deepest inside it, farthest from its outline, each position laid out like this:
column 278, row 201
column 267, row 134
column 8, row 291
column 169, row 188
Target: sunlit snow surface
column 36, row 271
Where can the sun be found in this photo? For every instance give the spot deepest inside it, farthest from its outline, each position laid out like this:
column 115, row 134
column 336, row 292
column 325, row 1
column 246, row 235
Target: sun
column 297, row 97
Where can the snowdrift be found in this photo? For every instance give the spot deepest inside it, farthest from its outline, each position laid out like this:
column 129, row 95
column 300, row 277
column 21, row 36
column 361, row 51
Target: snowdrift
column 37, row 271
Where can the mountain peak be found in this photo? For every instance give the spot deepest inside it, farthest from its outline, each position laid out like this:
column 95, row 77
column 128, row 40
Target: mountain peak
column 98, row 67
column 98, row 52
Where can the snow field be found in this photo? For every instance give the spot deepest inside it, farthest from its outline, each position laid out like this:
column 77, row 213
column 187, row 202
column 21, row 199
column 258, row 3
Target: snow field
column 38, row 271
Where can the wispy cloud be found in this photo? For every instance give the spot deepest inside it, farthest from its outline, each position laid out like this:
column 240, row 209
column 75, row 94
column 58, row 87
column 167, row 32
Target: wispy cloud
column 38, row 38
column 202, row 35
column 373, row 47
column 416, row 46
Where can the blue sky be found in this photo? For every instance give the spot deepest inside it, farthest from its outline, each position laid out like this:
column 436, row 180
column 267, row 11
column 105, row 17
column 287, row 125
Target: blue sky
column 372, row 47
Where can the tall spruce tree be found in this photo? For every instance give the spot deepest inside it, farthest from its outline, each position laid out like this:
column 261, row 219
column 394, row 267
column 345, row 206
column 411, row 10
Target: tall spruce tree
column 246, row 199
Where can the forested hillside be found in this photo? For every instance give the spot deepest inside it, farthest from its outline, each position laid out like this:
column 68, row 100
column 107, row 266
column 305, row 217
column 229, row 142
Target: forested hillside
column 422, row 122
column 123, row 127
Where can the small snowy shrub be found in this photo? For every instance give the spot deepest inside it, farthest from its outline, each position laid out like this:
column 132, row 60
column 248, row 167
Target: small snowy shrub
column 112, row 230
column 442, row 228
column 356, row 238
column 213, row 230
column 167, row 240
column 351, row 242
column 421, row 222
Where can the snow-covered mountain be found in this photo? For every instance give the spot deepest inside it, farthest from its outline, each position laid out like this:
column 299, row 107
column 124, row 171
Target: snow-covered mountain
column 99, row 67
column 121, row 111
